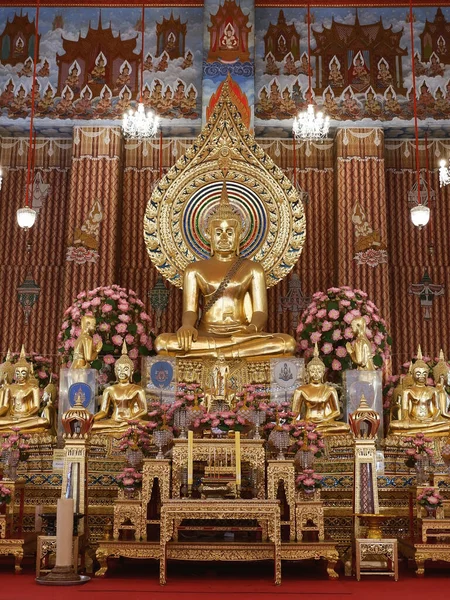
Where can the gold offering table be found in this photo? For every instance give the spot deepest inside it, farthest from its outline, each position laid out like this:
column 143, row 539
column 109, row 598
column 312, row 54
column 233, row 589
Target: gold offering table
column 265, row 512
column 13, row 547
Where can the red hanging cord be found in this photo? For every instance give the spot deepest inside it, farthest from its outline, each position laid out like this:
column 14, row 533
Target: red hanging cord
column 294, row 157
column 427, row 163
column 416, row 122
column 142, row 52
column 33, row 93
column 160, row 153
column 309, row 57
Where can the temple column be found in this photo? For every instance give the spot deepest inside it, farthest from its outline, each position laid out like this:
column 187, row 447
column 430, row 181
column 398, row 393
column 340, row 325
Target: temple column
column 94, row 210
column 361, row 214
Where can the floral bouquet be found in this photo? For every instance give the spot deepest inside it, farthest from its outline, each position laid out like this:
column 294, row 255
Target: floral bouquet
column 418, row 449
column 187, row 393
column 16, row 442
column 120, row 317
column 161, row 415
column 308, row 438
column 226, row 420
column 327, row 321
column 308, row 481
column 279, row 416
column 5, row 494
column 129, row 478
column 136, row 437
column 430, row 498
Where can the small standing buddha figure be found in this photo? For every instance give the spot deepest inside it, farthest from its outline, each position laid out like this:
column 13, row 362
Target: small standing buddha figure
column 85, row 351
column 124, row 400
column 317, row 402
column 21, row 403
column 420, row 410
column 360, row 351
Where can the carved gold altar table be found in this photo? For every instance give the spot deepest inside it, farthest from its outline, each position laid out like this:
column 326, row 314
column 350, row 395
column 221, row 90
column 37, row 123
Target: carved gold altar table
column 316, row 550
column 252, row 452
column 15, row 547
column 127, row 549
column 367, row 548
column 283, row 471
column 265, row 512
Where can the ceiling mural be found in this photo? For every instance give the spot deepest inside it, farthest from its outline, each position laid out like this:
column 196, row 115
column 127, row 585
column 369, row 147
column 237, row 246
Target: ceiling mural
column 90, row 59
column 360, row 63
column 89, row 64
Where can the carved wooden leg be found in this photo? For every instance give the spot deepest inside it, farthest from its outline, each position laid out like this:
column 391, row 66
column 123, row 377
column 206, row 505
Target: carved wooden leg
column 18, row 555
column 102, row 557
column 331, row 565
column 420, row 564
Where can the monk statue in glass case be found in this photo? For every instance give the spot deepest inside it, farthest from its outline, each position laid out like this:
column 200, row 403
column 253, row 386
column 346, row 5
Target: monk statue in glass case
column 85, row 351
column 233, row 292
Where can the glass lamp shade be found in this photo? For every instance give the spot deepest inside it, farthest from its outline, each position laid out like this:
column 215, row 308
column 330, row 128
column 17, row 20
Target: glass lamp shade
column 140, row 124
column 26, row 217
column 420, row 215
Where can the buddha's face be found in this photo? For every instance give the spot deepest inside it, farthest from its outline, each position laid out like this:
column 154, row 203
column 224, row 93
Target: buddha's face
column 88, row 325
column 420, row 375
column 224, row 236
column 316, row 373
column 21, row 374
column 124, row 372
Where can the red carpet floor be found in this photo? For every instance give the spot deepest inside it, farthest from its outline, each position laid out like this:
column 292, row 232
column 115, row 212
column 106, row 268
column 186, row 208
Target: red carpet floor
column 211, row 581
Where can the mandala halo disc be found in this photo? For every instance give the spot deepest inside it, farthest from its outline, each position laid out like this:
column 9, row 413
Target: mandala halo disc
column 274, row 226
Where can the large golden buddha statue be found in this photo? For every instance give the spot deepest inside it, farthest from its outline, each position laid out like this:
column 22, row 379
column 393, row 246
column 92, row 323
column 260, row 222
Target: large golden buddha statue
column 122, row 401
column 420, row 407
column 20, row 404
column 226, row 283
column 317, row 402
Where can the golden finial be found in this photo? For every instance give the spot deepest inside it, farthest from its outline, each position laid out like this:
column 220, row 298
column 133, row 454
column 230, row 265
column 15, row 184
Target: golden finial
column 315, row 360
column 22, row 362
column 124, row 359
column 224, row 211
column 441, row 368
column 420, row 363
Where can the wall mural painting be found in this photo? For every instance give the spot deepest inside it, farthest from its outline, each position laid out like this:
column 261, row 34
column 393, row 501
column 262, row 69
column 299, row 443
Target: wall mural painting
column 228, row 39
column 360, row 61
column 89, row 64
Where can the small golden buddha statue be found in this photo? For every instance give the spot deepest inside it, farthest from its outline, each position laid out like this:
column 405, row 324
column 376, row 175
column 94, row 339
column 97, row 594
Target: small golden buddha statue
column 317, row 402
column 6, row 375
column 49, row 405
column 125, row 400
column 396, row 401
column 420, row 410
column 84, row 351
column 21, row 403
column 440, row 375
column 219, row 391
column 229, row 285
column 360, row 351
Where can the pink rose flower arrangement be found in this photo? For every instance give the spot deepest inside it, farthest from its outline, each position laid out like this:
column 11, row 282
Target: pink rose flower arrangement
column 308, row 481
column 5, row 494
column 430, row 498
column 327, row 321
column 120, row 316
column 418, row 446
column 129, row 478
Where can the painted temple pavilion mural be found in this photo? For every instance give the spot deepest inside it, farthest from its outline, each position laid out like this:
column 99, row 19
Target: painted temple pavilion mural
column 89, row 63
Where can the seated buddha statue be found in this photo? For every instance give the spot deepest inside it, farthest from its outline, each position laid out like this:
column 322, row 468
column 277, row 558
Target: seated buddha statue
column 21, row 402
column 360, row 351
column 85, row 351
column 317, row 402
column 122, row 401
column 224, row 282
column 420, row 410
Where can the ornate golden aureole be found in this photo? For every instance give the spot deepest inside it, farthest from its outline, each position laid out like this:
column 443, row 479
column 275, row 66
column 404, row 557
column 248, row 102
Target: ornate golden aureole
column 20, row 402
column 317, row 402
column 225, row 223
column 420, row 409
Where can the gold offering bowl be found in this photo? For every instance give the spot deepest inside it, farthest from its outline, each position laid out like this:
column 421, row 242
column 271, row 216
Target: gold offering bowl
column 374, row 524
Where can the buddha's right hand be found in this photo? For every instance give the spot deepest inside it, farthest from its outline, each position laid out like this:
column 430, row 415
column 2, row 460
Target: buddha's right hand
column 185, row 336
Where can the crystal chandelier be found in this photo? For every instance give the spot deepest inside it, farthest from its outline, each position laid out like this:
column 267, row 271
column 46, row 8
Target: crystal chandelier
column 444, row 173
column 139, row 123
column 311, row 126
column 308, row 125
